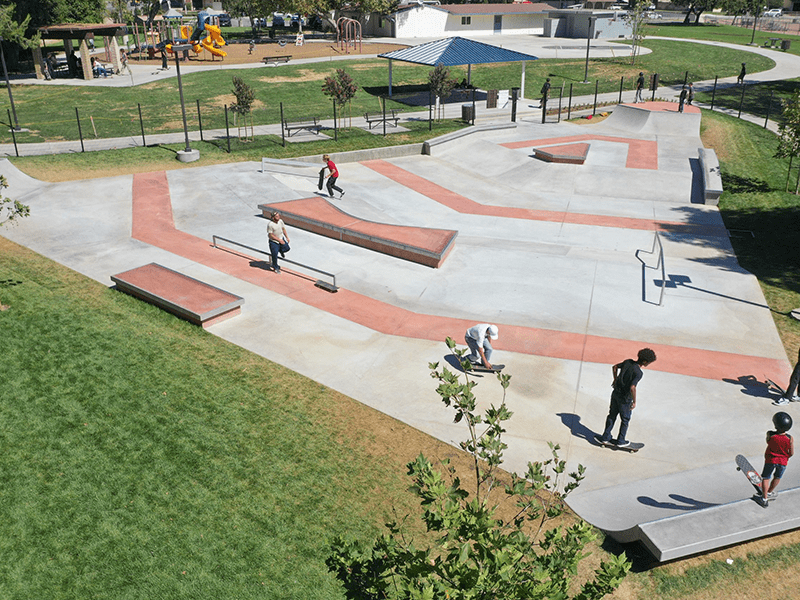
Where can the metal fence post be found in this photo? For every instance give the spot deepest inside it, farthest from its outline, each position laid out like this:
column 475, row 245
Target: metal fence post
column 228, row 130
column 430, row 110
column 473, row 106
column 383, row 109
column 569, row 104
column 335, row 126
column 283, row 129
column 621, row 83
column 560, row 96
column 13, row 136
column 80, row 133
column 200, row 122
column 714, row 92
column 141, row 124
column 596, row 85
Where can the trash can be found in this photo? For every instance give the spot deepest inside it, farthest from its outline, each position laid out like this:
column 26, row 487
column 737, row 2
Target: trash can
column 786, row 44
column 467, row 113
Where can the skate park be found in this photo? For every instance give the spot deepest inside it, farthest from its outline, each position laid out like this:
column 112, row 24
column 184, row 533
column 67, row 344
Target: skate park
column 562, row 257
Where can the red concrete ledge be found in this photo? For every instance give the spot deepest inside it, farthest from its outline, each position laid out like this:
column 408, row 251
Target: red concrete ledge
column 179, row 294
column 568, row 154
column 421, row 245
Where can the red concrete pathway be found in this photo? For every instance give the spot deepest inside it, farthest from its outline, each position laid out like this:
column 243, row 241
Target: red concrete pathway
column 153, row 224
column 464, row 205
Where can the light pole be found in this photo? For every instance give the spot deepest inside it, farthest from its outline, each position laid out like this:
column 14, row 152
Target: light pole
column 187, row 155
column 588, row 40
column 8, row 85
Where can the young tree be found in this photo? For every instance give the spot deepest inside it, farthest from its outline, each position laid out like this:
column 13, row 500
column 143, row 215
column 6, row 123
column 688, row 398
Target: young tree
column 789, row 130
column 473, row 553
column 441, row 87
column 341, row 88
column 637, row 17
column 245, row 96
column 10, row 212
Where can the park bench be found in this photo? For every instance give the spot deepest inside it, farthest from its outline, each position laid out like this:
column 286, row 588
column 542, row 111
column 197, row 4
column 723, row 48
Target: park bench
column 274, row 60
column 311, row 125
column 377, row 118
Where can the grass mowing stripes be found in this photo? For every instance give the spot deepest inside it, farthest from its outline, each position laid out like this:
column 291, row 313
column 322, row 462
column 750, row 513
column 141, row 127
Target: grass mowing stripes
column 145, row 458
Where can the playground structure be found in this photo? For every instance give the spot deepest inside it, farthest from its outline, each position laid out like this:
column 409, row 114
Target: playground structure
column 205, row 36
column 348, row 34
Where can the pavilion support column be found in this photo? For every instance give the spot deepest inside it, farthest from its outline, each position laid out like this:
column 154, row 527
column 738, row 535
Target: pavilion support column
column 38, row 62
column 86, row 61
column 469, row 74
column 114, row 46
column 522, row 82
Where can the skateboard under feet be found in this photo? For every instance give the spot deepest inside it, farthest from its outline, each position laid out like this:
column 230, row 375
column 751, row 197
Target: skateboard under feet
column 632, row 447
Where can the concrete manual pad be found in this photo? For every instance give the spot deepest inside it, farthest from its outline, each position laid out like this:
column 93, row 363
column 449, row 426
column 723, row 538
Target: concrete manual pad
column 561, row 257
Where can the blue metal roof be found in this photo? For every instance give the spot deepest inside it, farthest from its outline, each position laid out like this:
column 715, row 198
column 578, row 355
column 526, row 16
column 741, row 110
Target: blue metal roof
column 454, row 51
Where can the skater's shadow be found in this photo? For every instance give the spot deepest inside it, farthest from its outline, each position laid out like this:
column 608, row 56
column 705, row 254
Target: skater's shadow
column 578, row 429
column 682, row 503
column 751, row 386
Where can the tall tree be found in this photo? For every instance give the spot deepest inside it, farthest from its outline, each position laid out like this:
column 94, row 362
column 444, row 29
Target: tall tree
column 441, row 86
column 789, row 130
column 473, row 553
column 637, row 17
column 51, row 12
column 696, row 8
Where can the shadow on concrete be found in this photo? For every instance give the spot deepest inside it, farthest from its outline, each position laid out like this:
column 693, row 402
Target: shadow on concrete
column 752, row 386
column 578, row 429
column 681, row 503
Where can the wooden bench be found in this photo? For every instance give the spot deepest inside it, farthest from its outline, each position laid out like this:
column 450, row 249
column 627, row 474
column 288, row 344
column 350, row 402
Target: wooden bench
column 378, row 118
column 274, row 60
column 183, row 296
column 311, row 125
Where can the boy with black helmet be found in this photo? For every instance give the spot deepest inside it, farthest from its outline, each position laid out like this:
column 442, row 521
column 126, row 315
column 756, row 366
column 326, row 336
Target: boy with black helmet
column 780, row 448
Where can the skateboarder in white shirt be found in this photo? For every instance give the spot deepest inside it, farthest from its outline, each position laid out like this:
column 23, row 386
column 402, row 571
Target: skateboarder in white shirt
column 477, row 339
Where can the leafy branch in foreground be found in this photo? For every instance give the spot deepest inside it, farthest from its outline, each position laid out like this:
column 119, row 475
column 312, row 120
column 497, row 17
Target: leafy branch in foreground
column 473, row 553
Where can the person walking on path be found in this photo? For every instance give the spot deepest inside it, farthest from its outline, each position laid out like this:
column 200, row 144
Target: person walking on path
column 278, row 239
column 742, row 73
column 545, row 92
column 627, row 375
column 682, row 99
column 477, row 338
column 780, row 448
column 639, row 89
column 690, row 94
column 794, row 380
column 332, row 177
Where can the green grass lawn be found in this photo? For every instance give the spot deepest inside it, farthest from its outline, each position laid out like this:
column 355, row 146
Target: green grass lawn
column 146, row 458
column 49, row 113
column 719, row 33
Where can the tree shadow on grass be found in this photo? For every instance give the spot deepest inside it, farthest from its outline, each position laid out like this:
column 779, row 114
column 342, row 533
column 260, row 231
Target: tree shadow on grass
column 736, row 184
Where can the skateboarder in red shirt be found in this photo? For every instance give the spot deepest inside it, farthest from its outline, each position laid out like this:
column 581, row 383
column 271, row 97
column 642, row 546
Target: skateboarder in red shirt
column 623, row 399
column 780, row 448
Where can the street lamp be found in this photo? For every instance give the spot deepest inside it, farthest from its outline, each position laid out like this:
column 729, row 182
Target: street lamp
column 187, row 155
column 588, row 40
column 8, row 85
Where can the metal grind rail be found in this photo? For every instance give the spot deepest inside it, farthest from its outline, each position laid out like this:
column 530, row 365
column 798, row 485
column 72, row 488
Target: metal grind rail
column 331, row 287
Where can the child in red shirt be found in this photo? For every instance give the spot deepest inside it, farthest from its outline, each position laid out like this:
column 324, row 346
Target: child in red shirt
column 780, row 448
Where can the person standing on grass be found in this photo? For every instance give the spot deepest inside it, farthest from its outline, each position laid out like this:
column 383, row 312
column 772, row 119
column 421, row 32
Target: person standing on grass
column 278, row 239
column 332, row 177
column 780, row 448
column 545, row 92
column 742, row 73
column 639, row 89
column 794, row 380
column 627, row 375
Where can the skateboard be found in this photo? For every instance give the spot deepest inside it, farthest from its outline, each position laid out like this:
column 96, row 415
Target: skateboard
column 632, row 447
column 743, row 465
column 775, row 387
column 321, row 179
column 481, row 369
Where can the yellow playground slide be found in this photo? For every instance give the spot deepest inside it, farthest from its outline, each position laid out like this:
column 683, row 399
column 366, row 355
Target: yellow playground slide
column 214, row 37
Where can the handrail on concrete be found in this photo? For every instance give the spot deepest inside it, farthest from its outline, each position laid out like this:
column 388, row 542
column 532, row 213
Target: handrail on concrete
column 657, row 242
column 331, row 287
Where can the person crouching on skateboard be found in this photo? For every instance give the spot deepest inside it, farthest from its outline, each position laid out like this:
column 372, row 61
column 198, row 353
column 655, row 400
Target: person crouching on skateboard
column 623, row 399
column 477, row 339
column 780, row 448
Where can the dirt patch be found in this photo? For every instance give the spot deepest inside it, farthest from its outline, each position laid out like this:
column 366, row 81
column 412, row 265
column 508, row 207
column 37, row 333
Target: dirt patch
column 302, row 75
column 239, row 53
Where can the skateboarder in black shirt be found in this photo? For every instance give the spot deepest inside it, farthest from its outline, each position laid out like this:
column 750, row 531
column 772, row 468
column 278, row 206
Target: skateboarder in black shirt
column 623, row 399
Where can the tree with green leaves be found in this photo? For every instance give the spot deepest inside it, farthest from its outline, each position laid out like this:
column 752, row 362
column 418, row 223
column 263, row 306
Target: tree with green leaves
column 441, row 87
column 10, row 212
column 245, row 96
column 341, row 88
column 789, row 131
column 696, row 8
column 49, row 12
column 472, row 553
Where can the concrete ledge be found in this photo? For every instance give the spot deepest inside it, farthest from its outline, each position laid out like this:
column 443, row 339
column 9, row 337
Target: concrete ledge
column 179, row 294
column 570, row 154
column 449, row 137
column 368, row 154
column 421, row 245
column 712, row 177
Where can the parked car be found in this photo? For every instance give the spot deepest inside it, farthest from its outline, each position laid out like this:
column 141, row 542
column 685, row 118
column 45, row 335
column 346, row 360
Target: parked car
column 224, row 20
column 773, row 12
column 654, row 15
column 314, row 23
column 296, row 21
column 277, row 20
